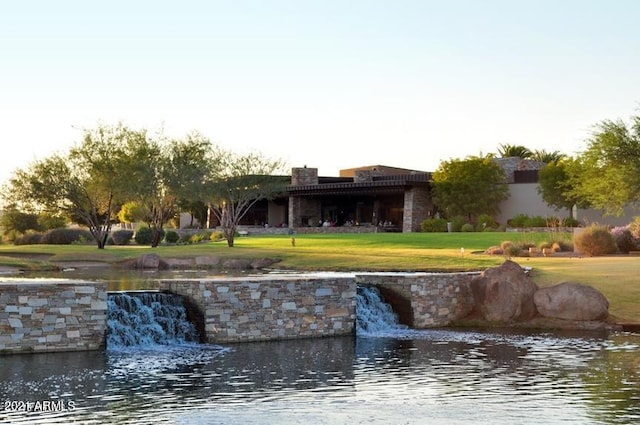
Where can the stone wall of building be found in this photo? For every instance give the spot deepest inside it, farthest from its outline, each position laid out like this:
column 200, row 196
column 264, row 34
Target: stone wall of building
column 264, row 308
column 52, row 316
column 435, row 299
column 417, row 205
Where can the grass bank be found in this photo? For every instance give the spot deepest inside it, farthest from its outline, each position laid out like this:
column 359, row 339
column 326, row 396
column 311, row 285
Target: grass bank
column 618, row 277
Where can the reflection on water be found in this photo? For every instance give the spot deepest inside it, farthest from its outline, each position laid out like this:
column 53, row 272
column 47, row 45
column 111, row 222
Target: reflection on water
column 441, row 377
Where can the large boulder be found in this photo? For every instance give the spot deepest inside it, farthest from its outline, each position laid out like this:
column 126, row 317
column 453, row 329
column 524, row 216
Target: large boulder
column 571, row 301
column 504, row 294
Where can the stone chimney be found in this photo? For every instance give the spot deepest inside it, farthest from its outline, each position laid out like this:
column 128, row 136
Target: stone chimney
column 304, row 176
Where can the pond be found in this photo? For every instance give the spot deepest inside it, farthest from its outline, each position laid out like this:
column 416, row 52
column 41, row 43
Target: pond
column 381, row 376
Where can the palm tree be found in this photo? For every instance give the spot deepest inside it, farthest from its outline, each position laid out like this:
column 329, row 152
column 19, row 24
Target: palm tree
column 506, row 151
column 547, row 157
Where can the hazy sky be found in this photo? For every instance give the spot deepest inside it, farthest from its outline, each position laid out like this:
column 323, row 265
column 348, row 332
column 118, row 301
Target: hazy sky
column 327, row 84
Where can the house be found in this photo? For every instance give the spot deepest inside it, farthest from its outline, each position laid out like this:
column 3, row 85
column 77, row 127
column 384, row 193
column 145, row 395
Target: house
column 382, row 198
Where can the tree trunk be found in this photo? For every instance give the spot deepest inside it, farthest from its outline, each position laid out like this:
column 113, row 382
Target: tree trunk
column 229, row 234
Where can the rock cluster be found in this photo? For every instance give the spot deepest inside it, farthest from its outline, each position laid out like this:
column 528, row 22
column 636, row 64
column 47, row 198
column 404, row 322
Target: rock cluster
column 154, row 261
column 507, row 294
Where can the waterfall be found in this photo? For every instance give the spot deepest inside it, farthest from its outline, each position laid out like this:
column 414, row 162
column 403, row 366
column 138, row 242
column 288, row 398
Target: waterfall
column 147, row 318
column 373, row 315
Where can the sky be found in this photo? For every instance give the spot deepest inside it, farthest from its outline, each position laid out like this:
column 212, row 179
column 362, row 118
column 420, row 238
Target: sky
column 331, row 84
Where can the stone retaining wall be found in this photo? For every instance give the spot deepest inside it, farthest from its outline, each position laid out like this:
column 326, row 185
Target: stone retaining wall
column 37, row 316
column 264, row 308
column 433, row 299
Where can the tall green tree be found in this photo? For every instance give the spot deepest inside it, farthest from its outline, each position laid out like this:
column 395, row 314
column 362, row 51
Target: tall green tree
column 237, row 182
column 86, row 185
column 607, row 173
column 469, row 187
column 554, row 186
column 166, row 172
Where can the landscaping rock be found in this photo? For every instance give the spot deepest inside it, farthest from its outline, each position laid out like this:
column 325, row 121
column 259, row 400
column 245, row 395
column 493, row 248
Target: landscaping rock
column 236, row 264
column 571, row 301
column 207, row 261
column 150, row 261
column 263, row 263
column 504, row 294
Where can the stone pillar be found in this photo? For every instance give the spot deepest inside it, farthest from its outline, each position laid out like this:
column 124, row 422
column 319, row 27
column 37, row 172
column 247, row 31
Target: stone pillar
column 304, row 211
column 417, row 204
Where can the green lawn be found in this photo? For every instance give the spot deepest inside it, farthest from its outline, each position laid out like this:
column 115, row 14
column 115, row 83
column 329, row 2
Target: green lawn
column 618, row 277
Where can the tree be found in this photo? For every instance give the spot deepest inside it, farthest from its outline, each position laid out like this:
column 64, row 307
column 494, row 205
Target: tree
column 554, row 186
column 507, row 151
column 237, row 183
column 15, row 220
column 166, row 172
column 607, row 173
column 86, row 185
column 469, row 187
column 547, row 157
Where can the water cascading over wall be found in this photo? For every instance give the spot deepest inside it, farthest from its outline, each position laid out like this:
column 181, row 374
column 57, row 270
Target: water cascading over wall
column 147, row 319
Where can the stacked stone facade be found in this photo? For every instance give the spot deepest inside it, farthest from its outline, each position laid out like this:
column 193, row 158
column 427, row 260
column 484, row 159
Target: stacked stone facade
column 417, row 205
column 435, row 299
column 254, row 309
column 52, row 316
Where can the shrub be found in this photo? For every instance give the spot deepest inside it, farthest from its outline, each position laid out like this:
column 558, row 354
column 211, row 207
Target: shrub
column 199, row 237
column 505, row 244
column 216, row 236
column 66, row 236
column 565, row 245
column 513, row 251
column 457, row 222
column 172, row 236
column 121, row 237
column 434, row 225
column 625, row 241
column 520, row 220
column 467, row 227
column 634, row 227
column 30, row 238
column 570, row 222
column 537, row 221
column 143, row 235
column 595, row 240
column 485, row 221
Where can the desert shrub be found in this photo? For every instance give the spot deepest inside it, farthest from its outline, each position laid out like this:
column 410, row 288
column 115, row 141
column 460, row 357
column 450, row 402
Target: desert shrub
column 467, row 227
column 505, row 244
column 29, row 238
column 216, row 236
column 543, row 245
column 513, row 251
column 595, row 240
column 66, row 236
column 121, row 237
column 555, row 247
column 625, row 241
column 553, row 221
column 143, row 235
column 171, row 236
column 434, row 225
column 634, row 227
column 565, row 245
